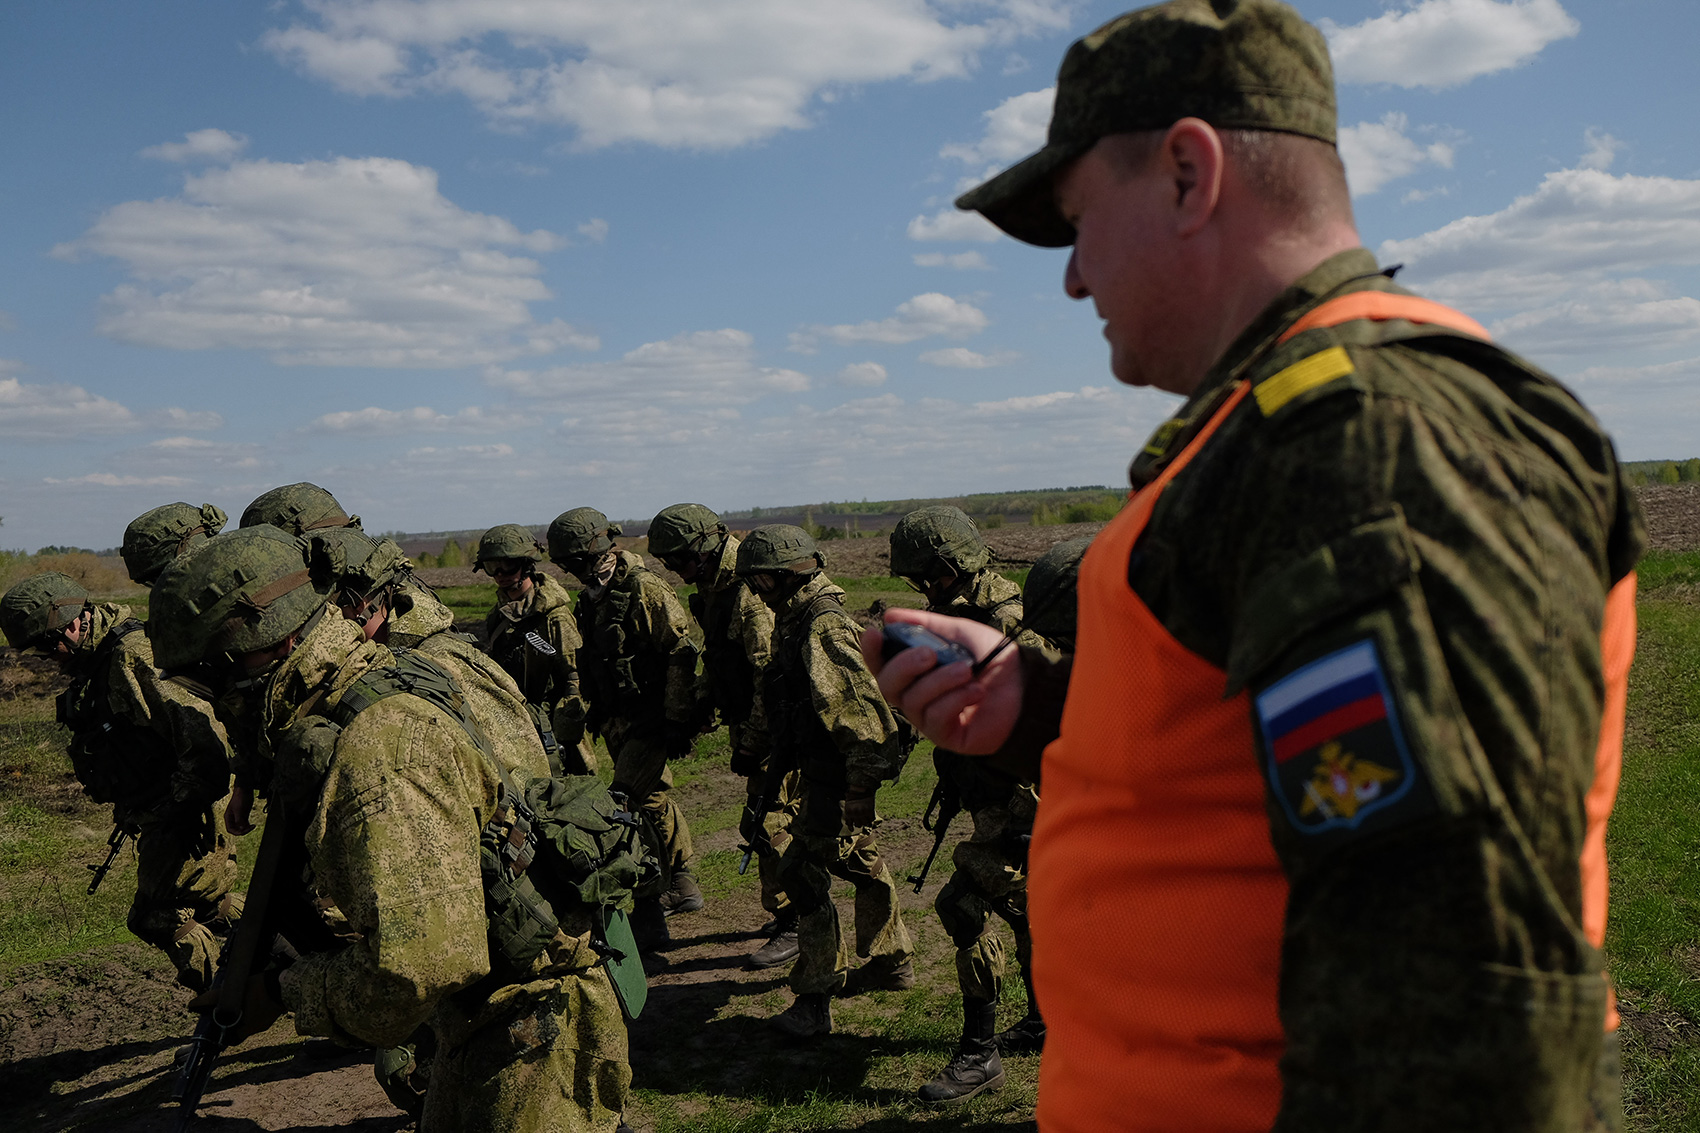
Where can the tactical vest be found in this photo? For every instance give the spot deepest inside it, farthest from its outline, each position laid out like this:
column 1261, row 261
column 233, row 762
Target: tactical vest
column 731, row 676
column 975, row 782
column 618, row 672
column 115, row 760
column 551, row 844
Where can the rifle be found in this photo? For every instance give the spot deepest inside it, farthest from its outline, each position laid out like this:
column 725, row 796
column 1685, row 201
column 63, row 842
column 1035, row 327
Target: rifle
column 749, row 847
column 948, row 805
column 114, row 843
column 250, row 943
column 536, row 643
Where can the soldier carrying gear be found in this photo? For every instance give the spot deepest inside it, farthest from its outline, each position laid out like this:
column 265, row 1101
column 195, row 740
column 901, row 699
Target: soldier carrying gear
column 1050, row 594
column 155, row 539
column 152, row 749
column 531, row 602
column 942, row 554
column 692, row 542
column 640, row 676
column 298, row 509
column 829, row 722
column 400, row 787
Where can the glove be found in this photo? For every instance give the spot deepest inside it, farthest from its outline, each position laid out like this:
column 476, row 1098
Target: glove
column 859, row 809
column 746, row 762
column 261, row 1006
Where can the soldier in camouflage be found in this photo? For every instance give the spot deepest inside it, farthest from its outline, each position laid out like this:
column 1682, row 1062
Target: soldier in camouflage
column 396, row 792
column 297, row 509
column 692, row 542
column 829, row 722
column 149, row 746
column 640, row 672
column 529, row 601
column 1333, row 757
column 939, row 552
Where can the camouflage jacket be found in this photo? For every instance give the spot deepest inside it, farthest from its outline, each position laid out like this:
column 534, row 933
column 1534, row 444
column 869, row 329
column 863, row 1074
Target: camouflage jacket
column 640, row 652
column 144, row 742
column 824, row 708
column 737, row 632
column 547, row 610
column 421, row 622
column 1462, row 512
column 393, row 841
column 990, row 599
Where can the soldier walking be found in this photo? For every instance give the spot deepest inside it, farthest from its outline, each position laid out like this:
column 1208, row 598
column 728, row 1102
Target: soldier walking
column 830, row 723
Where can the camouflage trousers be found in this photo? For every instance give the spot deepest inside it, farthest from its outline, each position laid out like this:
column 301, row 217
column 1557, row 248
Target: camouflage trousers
column 822, row 848
column 776, row 824
column 640, row 764
column 183, row 903
column 990, row 877
column 558, row 1061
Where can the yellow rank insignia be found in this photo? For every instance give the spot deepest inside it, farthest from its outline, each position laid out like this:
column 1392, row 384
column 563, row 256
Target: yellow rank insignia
column 1301, row 377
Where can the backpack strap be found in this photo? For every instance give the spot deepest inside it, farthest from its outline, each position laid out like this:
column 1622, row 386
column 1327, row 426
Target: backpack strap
column 418, row 675
column 1382, row 306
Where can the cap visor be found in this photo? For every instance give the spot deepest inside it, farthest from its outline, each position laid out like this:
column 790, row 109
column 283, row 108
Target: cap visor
column 1020, row 201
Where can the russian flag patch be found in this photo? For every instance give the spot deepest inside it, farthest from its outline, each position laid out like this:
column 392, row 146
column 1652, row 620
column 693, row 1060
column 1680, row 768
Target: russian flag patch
column 1333, row 748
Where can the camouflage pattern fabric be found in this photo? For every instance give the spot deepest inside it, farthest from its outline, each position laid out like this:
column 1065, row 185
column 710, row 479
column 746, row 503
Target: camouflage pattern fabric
column 640, row 662
column 1464, row 513
column 550, row 683
column 776, row 826
column 822, row 848
column 393, row 842
column 186, row 863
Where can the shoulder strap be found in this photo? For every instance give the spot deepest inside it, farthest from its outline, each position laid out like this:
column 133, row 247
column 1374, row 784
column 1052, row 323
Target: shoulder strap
column 418, row 675
column 1381, row 306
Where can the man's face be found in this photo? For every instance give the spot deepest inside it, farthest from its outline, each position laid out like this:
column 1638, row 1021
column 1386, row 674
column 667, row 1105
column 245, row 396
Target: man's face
column 510, row 575
column 686, row 564
column 1122, row 259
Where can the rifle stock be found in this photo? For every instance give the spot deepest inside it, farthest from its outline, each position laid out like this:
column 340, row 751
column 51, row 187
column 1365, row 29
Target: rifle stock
column 945, row 806
column 114, row 844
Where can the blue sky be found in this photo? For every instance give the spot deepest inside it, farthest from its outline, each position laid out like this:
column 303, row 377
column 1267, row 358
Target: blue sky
column 466, row 263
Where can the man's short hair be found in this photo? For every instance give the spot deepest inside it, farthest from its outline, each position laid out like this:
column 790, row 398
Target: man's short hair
column 1300, row 180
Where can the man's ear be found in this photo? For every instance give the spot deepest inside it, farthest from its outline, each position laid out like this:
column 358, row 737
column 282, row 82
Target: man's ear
column 1191, row 154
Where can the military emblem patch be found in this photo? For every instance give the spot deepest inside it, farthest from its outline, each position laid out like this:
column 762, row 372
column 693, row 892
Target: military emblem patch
column 1333, row 748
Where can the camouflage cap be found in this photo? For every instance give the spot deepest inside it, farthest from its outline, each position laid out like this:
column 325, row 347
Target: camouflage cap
column 933, row 533
column 581, row 531
column 513, row 541
column 1237, row 64
column 245, row 590
column 353, row 562
column 156, row 537
column 39, row 605
column 1049, row 595
column 779, row 548
column 683, row 529
column 297, row 509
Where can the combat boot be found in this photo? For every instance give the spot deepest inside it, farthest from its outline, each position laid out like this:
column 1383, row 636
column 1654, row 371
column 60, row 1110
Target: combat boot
column 809, row 1016
column 1028, row 1035
column 683, row 896
column 781, row 945
column 875, row 976
column 976, row 1067
column 649, row 926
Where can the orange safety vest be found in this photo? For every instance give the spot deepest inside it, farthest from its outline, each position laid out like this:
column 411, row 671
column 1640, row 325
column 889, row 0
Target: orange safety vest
column 1156, row 901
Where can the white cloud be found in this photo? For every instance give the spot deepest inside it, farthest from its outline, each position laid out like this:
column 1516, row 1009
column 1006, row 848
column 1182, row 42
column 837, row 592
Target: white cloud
column 962, row 358
column 665, row 72
column 1015, row 128
column 114, row 480
column 1602, row 149
column 198, row 421
column 345, row 262
column 703, row 369
column 373, row 421
column 954, row 224
column 53, row 412
column 1445, row 43
column 1636, row 313
column 921, row 317
column 595, row 230
column 961, row 261
column 200, row 145
column 862, row 374
column 1378, row 152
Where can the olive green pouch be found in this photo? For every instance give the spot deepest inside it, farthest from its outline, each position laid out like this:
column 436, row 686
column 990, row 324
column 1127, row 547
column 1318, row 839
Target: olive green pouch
column 625, row 969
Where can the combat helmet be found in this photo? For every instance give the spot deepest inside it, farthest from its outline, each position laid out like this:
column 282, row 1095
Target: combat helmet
column 579, row 533
column 40, row 605
column 1050, row 593
column 924, row 538
column 779, row 548
column 298, row 509
column 245, row 590
column 353, row 564
column 155, row 538
column 507, row 541
column 685, row 529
